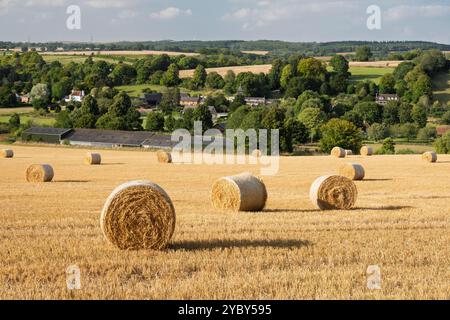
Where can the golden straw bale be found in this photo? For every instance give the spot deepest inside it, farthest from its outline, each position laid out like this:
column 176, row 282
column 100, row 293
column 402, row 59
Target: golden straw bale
column 366, row 151
column 39, row 173
column 93, row 158
column 353, row 171
column 338, row 152
column 6, row 153
column 243, row 192
column 333, row 193
column 164, row 156
column 430, row 156
column 138, row 215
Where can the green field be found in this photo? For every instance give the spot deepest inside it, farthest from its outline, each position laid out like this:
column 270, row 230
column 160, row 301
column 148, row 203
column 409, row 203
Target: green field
column 19, row 110
column 369, row 73
column 26, row 114
column 441, row 87
column 66, row 59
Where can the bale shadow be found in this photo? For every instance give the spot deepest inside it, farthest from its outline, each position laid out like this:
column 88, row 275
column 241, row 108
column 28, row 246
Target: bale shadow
column 289, row 210
column 443, row 162
column 385, row 208
column 223, row 244
column 72, row 181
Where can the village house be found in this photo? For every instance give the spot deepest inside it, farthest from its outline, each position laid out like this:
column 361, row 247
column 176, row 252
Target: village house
column 383, row 99
column 75, row 96
column 187, row 101
column 255, row 101
column 24, row 98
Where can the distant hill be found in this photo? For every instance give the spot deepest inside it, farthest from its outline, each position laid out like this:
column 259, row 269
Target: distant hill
column 275, row 48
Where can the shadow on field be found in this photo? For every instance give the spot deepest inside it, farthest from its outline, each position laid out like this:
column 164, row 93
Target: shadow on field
column 221, row 244
column 443, row 162
column 385, row 208
column 377, row 180
column 72, row 181
column 112, row 164
column 289, row 210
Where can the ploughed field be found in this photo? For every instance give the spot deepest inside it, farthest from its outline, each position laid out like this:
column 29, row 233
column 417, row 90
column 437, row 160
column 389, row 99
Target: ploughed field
column 401, row 223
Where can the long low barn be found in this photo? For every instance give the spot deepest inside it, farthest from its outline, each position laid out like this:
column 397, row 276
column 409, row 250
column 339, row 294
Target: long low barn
column 98, row 138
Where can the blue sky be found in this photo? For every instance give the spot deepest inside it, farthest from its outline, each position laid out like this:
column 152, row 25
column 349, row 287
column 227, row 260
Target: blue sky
column 292, row 20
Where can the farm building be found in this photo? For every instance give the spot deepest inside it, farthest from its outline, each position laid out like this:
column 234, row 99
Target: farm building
column 114, row 139
column 383, row 99
column 47, row 135
column 98, row 138
column 151, row 99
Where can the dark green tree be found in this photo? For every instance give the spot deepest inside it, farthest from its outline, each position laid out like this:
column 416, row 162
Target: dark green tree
column 199, row 79
column 203, row 114
column 155, row 121
column 419, row 115
column 363, row 53
column 171, row 77
column 342, row 133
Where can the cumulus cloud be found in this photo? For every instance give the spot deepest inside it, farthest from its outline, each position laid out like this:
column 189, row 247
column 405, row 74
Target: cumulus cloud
column 266, row 12
column 170, row 13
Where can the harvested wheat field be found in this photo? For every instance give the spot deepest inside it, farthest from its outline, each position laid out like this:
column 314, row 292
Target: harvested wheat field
column 264, row 68
column 401, row 223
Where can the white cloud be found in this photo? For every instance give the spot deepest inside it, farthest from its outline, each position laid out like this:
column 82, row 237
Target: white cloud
column 170, row 13
column 266, row 12
column 109, row 3
column 409, row 12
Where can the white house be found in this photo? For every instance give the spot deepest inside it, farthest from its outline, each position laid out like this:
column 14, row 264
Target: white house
column 75, row 96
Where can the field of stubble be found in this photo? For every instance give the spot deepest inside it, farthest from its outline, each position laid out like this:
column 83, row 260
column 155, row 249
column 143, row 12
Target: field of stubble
column 290, row 251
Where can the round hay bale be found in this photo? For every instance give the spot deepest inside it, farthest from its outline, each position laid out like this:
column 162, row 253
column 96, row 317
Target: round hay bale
column 348, row 153
column 93, row 158
column 164, row 157
column 353, row 171
column 6, row 153
column 243, row 192
column 430, row 156
column 138, row 215
column 338, row 152
column 39, row 173
column 366, row 151
column 333, row 193
column 257, row 153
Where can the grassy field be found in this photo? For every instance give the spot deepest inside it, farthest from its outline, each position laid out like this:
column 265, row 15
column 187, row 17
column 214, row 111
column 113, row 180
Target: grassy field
column 441, row 87
column 290, row 251
column 41, row 121
column 369, row 73
column 77, row 59
column 19, row 110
